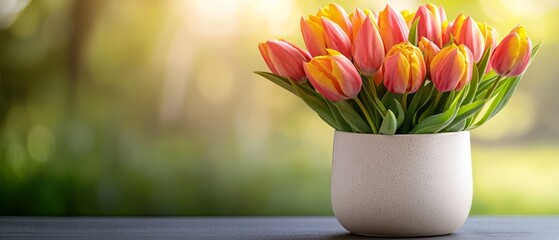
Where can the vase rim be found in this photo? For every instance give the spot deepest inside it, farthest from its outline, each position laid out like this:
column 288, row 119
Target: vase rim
column 402, row 135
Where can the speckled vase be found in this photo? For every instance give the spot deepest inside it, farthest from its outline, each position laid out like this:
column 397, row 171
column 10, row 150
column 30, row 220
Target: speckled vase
column 401, row 185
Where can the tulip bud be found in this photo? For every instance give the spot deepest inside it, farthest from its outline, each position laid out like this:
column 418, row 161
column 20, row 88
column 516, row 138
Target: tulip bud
column 329, row 28
column 358, row 17
column 512, row 55
column 368, row 50
column 429, row 50
column 334, row 76
column 313, row 35
column 336, row 38
column 466, row 31
column 404, row 69
column 452, row 68
column 429, row 25
column 285, row 59
column 490, row 36
column 392, row 27
column 408, row 17
column 338, row 15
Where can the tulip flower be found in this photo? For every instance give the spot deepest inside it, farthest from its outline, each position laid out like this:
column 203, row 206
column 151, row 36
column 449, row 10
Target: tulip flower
column 338, row 15
column 313, row 35
column 334, row 76
column 285, row 59
column 336, row 38
column 466, row 31
column 404, row 69
column 490, row 36
column 408, row 17
column 429, row 25
column 358, row 17
column 512, row 55
column 368, row 50
column 392, row 27
column 452, row 68
column 429, row 50
column 329, row 28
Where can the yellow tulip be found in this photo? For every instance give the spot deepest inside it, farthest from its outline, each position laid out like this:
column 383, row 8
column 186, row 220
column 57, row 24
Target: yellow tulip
column 333, row 76
column 404, row 69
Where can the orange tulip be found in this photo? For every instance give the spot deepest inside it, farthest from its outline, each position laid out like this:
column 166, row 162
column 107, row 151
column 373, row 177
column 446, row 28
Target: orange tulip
column 452, row 68
column 334, row 76
column 404, row 69
column 466, row 31
column 313, row 35
column 430, row 23
column 429, row 50
column 368, row 50
column 285, row 59
column 512, row 55
column 392, row 27
column 358, row 17
column 329, row 28
column 338, row 15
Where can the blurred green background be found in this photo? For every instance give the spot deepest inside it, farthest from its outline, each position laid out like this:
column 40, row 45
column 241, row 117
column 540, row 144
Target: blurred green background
column 145, row 107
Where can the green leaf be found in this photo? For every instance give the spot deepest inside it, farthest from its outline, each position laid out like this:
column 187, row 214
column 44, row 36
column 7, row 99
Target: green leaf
column 353, row 118
column 474, row 83
column 482, row 64
column 420, row 98
column 279, row 80
column 389, row 124
column 401, row 114
column 456, row 127
column 463, row 113
column 500, row 100
column 436, row 123
column 412, row 36
column 342, row 124
column 316, row 102
column 484, row 87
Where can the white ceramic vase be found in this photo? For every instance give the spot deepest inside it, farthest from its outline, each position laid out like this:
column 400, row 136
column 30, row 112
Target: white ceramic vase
column 401, row 185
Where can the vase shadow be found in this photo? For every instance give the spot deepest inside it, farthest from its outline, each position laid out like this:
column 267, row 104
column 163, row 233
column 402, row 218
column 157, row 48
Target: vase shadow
column 355, row 236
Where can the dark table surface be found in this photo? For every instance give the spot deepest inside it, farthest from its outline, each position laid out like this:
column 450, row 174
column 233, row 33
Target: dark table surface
column 477, row 227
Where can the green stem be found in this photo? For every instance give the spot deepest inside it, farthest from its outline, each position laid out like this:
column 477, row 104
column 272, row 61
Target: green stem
column 434, row 106
column 492, row 89
column 367, row 115
column 488, row 96
column 376, row 99
column 405, row 101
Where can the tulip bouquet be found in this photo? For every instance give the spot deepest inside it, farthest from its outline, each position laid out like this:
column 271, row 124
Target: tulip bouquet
column 399, row 72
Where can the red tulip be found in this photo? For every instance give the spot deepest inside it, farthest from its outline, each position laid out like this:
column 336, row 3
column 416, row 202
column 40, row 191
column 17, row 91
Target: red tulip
column 368, row 50
column 285, row 59
column 392, row 27
column 430, row 23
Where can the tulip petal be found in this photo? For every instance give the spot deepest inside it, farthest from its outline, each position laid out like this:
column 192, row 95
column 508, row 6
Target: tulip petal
column 336, row 38
column 313, row 35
